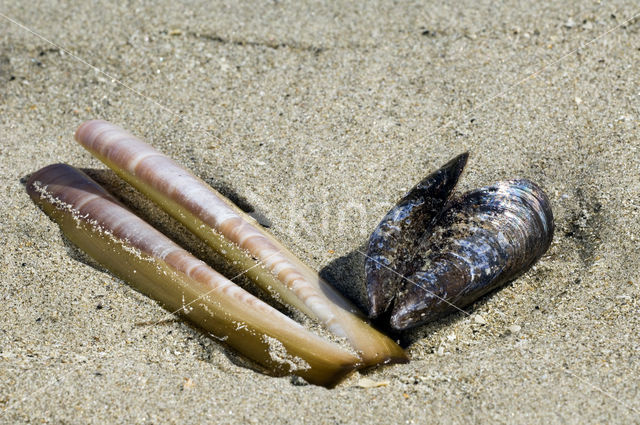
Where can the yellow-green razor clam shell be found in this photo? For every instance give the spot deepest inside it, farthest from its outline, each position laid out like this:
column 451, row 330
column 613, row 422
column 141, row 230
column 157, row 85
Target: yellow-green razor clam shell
column 153, row 264
column 229, row 231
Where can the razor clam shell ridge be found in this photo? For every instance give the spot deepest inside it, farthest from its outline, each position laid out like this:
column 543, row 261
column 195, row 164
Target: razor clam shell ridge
column 155, row 265
column 467, row 246
column 235, row 235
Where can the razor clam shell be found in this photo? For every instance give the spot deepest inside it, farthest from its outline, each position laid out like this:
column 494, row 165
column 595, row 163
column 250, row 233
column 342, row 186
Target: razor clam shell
column 231, row 232
column 152, row 263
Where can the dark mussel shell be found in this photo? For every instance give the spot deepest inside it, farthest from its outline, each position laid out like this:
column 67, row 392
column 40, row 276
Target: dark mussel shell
column 435, row 252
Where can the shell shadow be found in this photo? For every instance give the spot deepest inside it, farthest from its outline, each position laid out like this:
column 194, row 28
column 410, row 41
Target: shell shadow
column 346, row 274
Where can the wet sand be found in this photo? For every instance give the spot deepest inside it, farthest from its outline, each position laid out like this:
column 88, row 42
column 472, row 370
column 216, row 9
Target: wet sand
column 319, row 117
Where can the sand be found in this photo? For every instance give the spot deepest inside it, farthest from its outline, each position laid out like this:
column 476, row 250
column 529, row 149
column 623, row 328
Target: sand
column 320, row 116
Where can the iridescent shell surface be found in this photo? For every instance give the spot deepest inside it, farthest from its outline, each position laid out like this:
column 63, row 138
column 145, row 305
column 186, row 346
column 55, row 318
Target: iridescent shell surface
column 436, row 252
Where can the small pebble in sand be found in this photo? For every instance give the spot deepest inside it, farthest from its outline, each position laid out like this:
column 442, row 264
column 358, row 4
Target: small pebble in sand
column 187, row 383
column 514, row 329
column 479, row 320
column 370, row 383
